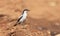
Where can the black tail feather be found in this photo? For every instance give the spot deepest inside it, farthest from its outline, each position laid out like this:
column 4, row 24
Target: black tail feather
column 17, row 23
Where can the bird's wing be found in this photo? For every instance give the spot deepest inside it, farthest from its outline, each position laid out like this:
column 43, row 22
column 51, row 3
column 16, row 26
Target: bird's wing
column 19, row 18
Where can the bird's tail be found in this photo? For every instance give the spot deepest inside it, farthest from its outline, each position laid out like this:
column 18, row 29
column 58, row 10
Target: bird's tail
column 17, row 23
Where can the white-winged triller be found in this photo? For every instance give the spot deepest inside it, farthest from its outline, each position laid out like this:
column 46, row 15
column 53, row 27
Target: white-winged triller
column 23, row 17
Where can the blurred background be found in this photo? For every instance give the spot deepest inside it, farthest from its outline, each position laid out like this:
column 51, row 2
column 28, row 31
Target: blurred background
column 43, row 18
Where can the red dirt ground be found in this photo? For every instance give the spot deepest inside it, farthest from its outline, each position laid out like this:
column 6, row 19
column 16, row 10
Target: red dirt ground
column 43, row 18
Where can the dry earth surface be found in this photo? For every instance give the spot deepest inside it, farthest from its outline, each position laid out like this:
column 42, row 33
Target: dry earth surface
column 43, row 18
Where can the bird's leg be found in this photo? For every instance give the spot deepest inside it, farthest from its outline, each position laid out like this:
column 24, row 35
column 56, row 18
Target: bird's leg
column 24, row 21
column 23, row 24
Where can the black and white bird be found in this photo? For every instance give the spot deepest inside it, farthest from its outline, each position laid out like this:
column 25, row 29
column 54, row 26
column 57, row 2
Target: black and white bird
column 23, row 17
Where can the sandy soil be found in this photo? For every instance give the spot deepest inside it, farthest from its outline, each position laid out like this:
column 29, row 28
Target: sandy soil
column 43, row 18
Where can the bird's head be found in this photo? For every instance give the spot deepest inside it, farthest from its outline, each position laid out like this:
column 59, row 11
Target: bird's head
column 26, row 10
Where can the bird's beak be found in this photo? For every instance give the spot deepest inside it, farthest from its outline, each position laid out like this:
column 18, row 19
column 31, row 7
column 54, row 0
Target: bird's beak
column 28, row 10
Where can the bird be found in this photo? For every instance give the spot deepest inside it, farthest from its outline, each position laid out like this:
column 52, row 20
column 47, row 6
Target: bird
column 23, row 17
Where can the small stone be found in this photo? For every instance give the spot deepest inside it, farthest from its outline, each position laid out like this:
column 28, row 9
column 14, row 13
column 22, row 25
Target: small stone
column 57, row 24
column 48, row 31
column 57, row 35
column 52, row 3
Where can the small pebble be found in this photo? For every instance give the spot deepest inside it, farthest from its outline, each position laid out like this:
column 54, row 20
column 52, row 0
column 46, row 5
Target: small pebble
column 52, row 4
column 57, row 35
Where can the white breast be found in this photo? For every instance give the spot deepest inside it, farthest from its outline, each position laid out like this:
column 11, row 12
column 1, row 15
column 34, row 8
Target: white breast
column 24, row 17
